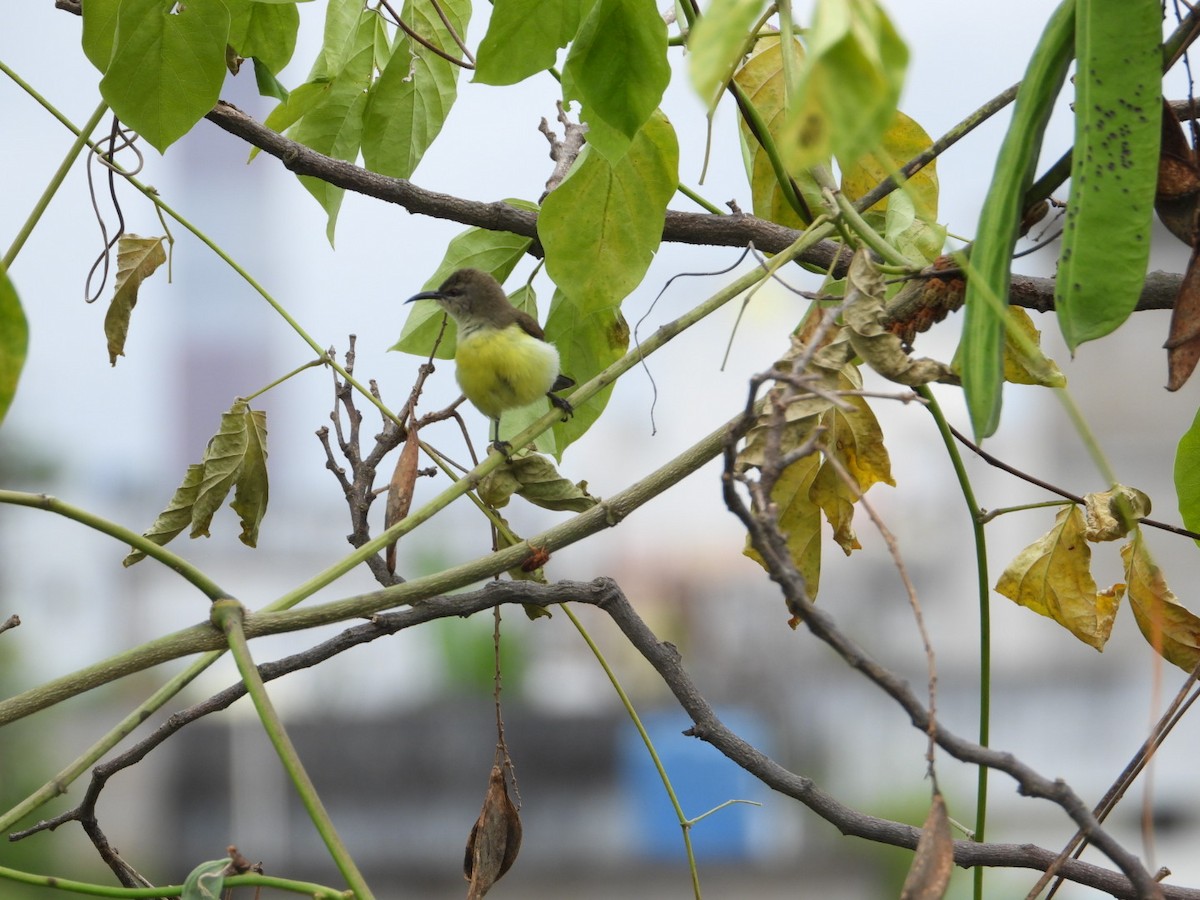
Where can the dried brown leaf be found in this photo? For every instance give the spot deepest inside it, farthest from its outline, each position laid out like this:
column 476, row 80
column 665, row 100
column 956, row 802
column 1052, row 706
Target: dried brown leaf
column 929, row 874
column 495, row 838
column 400, row 489
column 1183, row 342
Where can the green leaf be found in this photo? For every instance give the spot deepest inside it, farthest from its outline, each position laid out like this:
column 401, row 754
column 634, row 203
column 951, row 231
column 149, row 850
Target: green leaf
column 167, row 66
column 295, row 105
column 981, row 351
column 137, row 259
column 716, row 44
column 1114, row 168
column 99, row 29
column 410, row 101
column 206, row 881
column 334, row 124
column 523, row 38
column 589, row 340
column 601, row 226
column 495, row 252
column 268, row 85
column 762, row 80
column 250, row 497
column 848, row 88
column 1187, row 476
column 533, row 476
column 14, row 341
column 265, row 32
column 617, row 68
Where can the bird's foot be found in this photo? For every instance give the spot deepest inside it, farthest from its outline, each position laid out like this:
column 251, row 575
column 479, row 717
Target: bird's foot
column 564, row 405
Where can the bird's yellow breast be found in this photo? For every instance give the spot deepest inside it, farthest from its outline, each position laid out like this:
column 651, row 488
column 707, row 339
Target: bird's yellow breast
column 501, row 369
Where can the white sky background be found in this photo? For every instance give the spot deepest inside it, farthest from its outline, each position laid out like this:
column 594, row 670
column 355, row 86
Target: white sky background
column 92, row 419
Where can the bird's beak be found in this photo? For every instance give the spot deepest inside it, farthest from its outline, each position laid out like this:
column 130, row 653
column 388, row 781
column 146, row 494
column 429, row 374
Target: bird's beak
column 425, row 295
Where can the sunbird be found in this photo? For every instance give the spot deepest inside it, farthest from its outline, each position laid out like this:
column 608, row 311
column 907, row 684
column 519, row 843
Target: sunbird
column 503, row 360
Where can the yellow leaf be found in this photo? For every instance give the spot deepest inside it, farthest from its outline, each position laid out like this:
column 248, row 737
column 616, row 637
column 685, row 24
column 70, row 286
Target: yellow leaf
column 1169, row 627
column 1052, row 576
column 903, row 140
column 799, row 520
column 1111, row 514
column 761, row 78
column 836, row 499
column 1024, row 362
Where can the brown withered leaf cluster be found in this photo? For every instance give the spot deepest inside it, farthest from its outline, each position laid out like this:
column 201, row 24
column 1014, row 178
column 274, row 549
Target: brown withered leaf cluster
column 1177, row 203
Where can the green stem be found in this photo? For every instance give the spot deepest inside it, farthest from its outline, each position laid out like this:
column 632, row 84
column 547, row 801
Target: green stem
column 52, row 882
column 138, row 542
column 581, row 395
column 985, row 617
column 699, row 201
column 228, row 615
column 990, row 514
column 59, row 176
column 200, row 638
column 685, row 823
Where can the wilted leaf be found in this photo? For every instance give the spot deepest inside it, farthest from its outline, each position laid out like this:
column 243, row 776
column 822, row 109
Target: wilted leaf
column 235, row 455
column 1024, row 362
column 880, row 348
column 929, row 875
column 495, row 838
column 799, row 520
column 534, row 477
column 222, row 461
column 1168, row 626
column 1052, row 576
column 836, row 499
column 1112, row 513
column 853, row 438
column 137, row 258
column 400, row 489
column 803, row 410
column 250, row 496
column 1177, row 198
column 1183, row 342
column 176, row 517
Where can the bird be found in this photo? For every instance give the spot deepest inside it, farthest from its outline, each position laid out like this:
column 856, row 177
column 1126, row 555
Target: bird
column 502, row 360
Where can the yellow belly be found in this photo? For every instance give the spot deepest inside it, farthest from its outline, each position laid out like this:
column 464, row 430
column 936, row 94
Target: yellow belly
column 499, row 370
